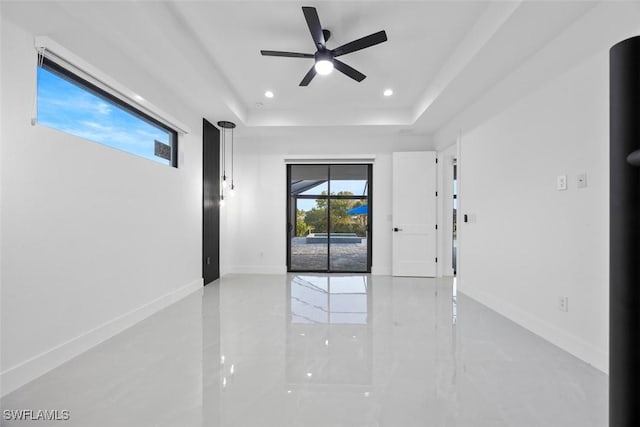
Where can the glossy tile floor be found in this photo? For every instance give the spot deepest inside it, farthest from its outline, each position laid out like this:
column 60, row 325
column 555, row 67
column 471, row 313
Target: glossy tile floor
column 333, row 350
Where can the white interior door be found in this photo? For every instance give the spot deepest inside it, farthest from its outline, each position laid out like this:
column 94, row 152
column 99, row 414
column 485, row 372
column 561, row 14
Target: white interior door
column 414, row 214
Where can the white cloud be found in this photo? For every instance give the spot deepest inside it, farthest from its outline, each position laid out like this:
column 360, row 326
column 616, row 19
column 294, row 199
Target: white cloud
column 103, row 108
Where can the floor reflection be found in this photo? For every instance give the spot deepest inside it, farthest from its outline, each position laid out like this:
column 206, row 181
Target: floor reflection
column 328, row 335
column 329, row 299
column 325, row 351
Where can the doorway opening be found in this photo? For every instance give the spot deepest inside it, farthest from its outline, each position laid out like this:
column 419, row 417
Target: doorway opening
column 329, row 218
column 454, row 237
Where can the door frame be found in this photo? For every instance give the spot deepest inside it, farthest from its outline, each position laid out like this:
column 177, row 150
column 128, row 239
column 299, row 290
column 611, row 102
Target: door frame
column 455, row 214
column 289, row 228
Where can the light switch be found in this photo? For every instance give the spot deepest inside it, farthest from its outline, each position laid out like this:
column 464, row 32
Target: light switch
column 561, row 182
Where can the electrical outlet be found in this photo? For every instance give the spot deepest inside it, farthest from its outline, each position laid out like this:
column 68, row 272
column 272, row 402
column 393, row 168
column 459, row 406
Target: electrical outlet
column 563, row 304
column 582, row 180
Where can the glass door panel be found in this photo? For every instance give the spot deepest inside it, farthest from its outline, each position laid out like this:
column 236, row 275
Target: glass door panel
column 309, row 243
column 349, row 180
column 348, row 237
column 309, row 180
column 308, row 218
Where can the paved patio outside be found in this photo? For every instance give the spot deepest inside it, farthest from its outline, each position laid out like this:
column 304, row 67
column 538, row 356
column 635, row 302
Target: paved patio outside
column 312, row 256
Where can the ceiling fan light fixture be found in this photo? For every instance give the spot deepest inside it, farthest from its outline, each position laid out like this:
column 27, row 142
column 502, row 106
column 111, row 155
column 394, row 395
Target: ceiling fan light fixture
column 324, row 67
column 325, row 60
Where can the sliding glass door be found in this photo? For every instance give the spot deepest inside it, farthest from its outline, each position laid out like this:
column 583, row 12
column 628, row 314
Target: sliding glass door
column 329, row 217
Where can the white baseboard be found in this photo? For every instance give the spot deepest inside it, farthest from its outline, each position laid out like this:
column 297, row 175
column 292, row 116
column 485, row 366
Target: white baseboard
column 385, row 270
column 271, row 269
column 570, row 343
column 255, row 269
column 19, row 375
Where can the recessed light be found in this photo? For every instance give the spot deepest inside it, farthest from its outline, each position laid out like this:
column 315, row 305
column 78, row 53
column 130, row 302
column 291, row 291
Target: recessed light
column 388, row 92
column 268, row 94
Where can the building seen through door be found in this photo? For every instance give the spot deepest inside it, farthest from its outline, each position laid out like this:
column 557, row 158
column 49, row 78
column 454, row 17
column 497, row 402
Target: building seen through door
column 329, row 218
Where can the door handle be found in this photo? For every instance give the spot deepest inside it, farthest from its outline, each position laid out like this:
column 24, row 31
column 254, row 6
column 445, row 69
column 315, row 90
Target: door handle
column 396, row 229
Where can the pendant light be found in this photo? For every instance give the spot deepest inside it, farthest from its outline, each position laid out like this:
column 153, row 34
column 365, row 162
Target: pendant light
column 226, row 127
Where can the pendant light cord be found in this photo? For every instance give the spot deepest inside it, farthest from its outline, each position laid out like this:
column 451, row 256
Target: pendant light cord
column 224, row 155
column 224, row 126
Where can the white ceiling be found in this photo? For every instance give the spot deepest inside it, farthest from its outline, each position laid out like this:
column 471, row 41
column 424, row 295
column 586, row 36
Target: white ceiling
column 421, row 36
column 440, row 57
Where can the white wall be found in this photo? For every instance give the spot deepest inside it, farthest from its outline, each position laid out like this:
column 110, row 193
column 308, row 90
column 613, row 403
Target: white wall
column 93, row 238
column 596, row 31
column 531, row 244
column 1, row 203
column 253, row 223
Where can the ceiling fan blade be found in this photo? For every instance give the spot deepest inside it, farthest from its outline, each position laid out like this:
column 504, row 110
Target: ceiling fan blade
column 311, row 15
column 307, row 77
column 351, row 72
column 364, row 42
column 285, row 54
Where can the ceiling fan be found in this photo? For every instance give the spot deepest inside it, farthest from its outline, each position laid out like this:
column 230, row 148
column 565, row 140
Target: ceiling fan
column 325, row 59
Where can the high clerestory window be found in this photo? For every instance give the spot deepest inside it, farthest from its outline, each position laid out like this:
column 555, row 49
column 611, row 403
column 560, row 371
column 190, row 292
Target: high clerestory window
column 70, row 103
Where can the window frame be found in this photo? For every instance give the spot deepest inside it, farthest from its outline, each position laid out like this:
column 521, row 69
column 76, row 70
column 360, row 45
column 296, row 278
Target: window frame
column 63, row 72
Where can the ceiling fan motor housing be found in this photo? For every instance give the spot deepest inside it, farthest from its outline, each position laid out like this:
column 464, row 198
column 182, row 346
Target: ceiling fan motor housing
column 323, row 55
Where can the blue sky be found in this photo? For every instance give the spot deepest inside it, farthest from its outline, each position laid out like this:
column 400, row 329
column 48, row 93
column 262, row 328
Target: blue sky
column 66, row 106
